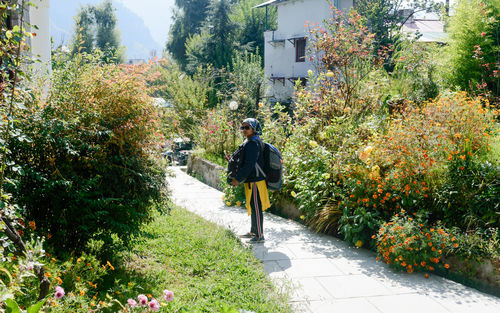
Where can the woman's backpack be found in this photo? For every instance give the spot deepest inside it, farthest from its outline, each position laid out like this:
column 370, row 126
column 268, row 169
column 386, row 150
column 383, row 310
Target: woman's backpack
column 273, row 166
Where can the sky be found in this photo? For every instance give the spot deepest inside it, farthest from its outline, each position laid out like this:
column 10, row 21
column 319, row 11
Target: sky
column 157, row 15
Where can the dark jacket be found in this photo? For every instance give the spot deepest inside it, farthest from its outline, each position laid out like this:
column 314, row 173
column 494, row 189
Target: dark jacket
column 251, row 150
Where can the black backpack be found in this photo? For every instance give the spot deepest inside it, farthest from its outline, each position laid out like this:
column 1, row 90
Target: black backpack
column 273, row 166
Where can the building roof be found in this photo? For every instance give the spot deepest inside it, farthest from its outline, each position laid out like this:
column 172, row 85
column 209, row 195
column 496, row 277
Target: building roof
column 269, row 2
column 431, row 30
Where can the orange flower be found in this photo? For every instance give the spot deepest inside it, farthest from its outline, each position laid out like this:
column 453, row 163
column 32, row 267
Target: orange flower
column 447, row 265
column 426, row 275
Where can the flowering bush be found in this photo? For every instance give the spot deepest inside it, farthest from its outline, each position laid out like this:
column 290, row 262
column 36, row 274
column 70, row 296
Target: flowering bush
column 406, row 166
column 407, row 244
column 86, row 156
column 217, row 134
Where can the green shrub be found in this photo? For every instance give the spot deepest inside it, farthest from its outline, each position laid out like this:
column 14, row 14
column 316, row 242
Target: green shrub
column 86, row 157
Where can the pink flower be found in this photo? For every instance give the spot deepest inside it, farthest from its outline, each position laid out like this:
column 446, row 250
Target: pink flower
column 169, row 295
column 143, row 300
column 132, row 302
column 154, row 305
column 211, row 132
column 483, row 34
column 59, row 292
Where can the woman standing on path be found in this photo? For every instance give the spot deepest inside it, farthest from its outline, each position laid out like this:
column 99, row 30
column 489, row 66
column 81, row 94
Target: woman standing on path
column 257, row 197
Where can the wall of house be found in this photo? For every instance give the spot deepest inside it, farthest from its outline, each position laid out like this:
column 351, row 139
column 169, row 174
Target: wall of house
column 279, row 56
column 39, row 15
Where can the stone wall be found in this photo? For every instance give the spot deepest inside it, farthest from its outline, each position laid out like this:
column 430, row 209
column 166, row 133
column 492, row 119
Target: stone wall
column 205, row 170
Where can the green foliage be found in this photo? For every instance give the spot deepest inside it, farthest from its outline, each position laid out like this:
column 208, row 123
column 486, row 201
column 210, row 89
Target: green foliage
column 188, row 19
column 414, row 76
column 248, row 80
column 188, row 97
column 407, row 244
column 471, row 58
column 358, row 224
column 85, row 160
column 215, row 43
column 252, row 24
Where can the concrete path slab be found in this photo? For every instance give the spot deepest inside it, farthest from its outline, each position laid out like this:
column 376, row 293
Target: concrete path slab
column 326, row 274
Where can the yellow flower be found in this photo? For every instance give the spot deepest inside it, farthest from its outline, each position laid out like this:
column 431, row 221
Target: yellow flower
column 228, row 203
column 329, row 74
column 59, row 280
column 110, row 266
column 326, row 175
column 261, row 104
column 310, row 72
column 293, row 194
column 302, row 217
column 313, row 143
column 238, row 203
column 359, row 244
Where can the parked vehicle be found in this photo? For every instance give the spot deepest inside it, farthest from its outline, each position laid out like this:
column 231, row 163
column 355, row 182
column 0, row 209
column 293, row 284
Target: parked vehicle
column 179, row 153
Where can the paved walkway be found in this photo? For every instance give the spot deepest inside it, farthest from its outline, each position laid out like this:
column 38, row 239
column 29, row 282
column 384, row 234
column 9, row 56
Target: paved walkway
column 327, row 274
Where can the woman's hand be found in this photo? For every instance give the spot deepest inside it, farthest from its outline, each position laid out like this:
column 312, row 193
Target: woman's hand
column 227, row 157
column 234, row 182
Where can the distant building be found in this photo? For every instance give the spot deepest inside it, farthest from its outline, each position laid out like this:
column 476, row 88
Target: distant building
column 136, row 61
column 428, row 28
column 285, row 49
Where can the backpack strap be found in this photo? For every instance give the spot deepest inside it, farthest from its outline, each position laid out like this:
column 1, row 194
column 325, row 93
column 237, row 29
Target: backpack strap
column 259, row 170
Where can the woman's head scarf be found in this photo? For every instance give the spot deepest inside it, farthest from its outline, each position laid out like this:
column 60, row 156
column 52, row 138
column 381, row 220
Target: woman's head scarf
column 255, row 125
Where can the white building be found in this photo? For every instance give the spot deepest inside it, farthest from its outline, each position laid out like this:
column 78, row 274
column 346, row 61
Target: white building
column 285, row 58
column 39, row 15
column 285, row 48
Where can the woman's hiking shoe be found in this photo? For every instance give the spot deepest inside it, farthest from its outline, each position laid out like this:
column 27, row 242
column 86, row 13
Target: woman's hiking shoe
column 248, row 235
column 256, row 240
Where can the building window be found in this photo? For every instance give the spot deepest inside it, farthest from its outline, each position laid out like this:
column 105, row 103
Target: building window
column 300, row 50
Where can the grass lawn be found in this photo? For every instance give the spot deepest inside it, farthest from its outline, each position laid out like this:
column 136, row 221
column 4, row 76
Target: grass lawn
column 204, row 265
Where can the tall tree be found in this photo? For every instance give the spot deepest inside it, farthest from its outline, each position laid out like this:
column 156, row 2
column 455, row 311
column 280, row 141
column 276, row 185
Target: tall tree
column 252, row 24
column 95, row 28
column 83, row 42
column 107, row 37
column 221, row 30
column 215, row 44
column 188, row 19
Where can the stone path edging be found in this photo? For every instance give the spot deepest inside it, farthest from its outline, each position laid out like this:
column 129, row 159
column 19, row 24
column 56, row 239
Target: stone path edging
column 327, row 274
